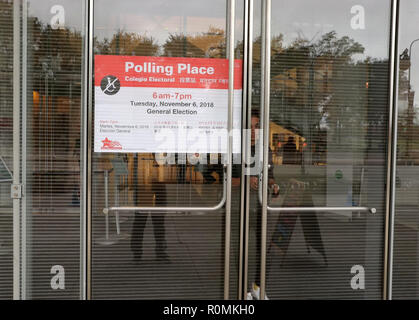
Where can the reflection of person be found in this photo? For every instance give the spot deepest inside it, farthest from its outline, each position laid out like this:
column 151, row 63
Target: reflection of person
column 181, row 170
column 159, row 191
column 255, row 210
column 209, row 168
column 290, row 152
column 255, row 205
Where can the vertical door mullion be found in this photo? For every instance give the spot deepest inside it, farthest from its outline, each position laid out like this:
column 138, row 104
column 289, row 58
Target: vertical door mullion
column 266, row 51
column 16, row 148
column 391, row 155
column 230, row 46
column 243, row 146
column 246, row 115
column 84, row 174
column 87, row 150
column 24, row 234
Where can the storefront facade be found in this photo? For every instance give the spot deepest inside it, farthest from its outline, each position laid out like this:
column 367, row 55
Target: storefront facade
column 192, row 149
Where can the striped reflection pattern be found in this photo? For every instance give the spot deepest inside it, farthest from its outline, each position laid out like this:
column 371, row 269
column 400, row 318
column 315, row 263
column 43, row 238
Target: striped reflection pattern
column 406, row 223
column 6, row 149
column 328, row 143
column 160, row 254
column 52, row 82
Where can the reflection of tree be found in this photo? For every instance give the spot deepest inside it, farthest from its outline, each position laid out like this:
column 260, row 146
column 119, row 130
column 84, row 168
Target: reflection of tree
column 319, row 88
column 276, row 47
column 127, row 43
column 340, row 50
column 6, row 37
column 54, row 73
column 6, row 80
column 53, row 78
column 178, row 45
column 210, row 44
column 55, row 55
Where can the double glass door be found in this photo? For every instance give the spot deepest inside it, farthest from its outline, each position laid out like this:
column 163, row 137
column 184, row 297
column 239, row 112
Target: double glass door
column 197, row 149
column 313, row 103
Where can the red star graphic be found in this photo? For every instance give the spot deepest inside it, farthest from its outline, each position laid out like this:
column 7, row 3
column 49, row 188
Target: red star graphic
column 106, row 142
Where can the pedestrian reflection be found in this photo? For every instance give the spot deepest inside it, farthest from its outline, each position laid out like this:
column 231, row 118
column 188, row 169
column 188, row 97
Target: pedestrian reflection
column 158, row 190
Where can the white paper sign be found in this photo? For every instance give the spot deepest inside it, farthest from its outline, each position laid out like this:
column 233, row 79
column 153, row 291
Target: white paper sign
column 159, row 104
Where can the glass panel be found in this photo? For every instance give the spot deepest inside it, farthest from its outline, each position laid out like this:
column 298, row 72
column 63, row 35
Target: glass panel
column 406, row 222
column 52, row 76
column 160, row 67
column 6, row 149
column 328, row 144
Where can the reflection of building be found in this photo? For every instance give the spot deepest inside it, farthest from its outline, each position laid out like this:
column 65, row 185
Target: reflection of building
column 406, row 100
column 279, row 137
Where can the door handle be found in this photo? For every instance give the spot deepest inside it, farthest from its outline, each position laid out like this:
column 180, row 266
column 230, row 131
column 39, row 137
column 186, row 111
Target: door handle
column 310, row 209
column 171, row 209
column 321, row 209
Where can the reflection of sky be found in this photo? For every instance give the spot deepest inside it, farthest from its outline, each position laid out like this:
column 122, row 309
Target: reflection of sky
column 156, row 18
column 309, row 18
column 409, row 31
column 73, row 11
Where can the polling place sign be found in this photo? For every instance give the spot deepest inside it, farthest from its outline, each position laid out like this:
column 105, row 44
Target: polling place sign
column 164, row 104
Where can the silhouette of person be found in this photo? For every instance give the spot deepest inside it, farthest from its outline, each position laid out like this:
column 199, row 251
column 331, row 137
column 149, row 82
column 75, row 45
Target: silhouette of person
column 158, row 218
column 181, row 170
column 255, row 210
column 290, row 152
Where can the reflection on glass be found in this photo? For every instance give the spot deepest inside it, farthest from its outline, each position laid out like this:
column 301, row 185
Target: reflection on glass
column 406, row 249
column 53, row 74
column 150, row 252
column 6, row 149
column 328, row 136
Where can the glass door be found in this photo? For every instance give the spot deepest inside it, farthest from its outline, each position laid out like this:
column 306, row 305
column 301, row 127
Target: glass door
column 165, row 216
column 8, row 86
column 320, row 98
column 41, row 92
column 52, row 86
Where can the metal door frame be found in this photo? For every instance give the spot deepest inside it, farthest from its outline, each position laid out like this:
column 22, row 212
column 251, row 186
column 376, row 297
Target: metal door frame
column 388, row 235
column 392, row 152
column 16, row 148
column 87, row 149
column 21, row 239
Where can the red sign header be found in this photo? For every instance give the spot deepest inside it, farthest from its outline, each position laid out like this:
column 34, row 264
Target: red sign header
column 167, row 72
